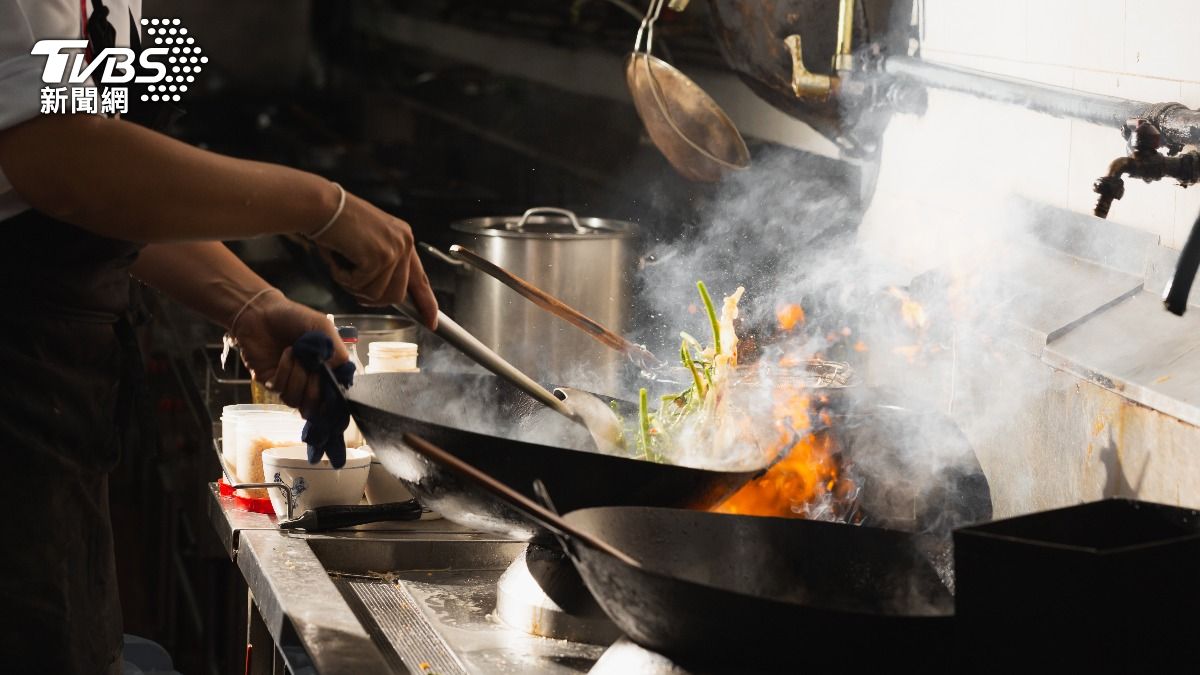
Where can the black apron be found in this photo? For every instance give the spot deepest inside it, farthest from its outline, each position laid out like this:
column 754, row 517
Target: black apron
column 70, row 368
column 72, row 372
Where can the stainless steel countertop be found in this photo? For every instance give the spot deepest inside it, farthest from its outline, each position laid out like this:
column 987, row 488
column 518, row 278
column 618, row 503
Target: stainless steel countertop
column 306, row 615
column 1140, row 351
column 378, row 598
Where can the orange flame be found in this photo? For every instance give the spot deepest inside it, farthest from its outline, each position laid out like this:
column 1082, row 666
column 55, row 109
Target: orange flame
column 804, row 479
column 910, row 310
column 789, row 316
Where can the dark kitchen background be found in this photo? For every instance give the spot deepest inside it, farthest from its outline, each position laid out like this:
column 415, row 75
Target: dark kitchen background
column 440, row 110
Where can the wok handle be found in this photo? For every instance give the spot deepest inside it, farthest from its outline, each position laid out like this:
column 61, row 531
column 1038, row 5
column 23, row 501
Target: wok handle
column 325, row 518
column 557, row 307
column 468, row 344
column 542, row 515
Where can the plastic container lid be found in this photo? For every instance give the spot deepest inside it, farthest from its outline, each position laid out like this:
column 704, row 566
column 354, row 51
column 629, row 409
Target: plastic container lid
column 392, row 349
column 348, row 333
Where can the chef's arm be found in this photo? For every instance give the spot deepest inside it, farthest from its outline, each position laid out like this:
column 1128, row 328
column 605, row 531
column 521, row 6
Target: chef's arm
column 124, row 181
column 210, row 279
column 204, row 276
column 121, row 180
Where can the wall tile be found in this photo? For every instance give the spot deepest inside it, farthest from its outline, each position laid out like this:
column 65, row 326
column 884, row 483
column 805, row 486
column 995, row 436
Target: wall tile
column 1160, row 40
column 1053, row 30
column 979, row 27
column 1098, row 35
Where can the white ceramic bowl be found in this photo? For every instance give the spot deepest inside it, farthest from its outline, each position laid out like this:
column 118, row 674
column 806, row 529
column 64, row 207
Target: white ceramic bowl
column 317, row 484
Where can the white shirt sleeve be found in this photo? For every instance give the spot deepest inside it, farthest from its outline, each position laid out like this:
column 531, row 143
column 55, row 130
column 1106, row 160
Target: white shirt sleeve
column 20, row 71
column 22, row 23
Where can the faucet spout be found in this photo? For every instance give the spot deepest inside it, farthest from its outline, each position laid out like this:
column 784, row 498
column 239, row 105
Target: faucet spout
column 1144, row 161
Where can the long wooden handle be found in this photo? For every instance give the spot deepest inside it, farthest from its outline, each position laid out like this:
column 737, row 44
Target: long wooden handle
column 541, row 514
column 556, row 307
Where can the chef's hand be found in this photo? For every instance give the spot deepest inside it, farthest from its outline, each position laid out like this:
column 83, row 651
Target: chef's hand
column 371, row 255
column 265, row 333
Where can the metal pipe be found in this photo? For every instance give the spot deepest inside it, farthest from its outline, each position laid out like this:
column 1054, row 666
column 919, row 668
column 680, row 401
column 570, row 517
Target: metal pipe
column 1049, row 99
column 842, row 59
column 1179, row 125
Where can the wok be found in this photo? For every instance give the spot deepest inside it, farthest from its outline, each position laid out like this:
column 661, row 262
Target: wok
column 492, row 425
column 916, row 470
column 704, row 587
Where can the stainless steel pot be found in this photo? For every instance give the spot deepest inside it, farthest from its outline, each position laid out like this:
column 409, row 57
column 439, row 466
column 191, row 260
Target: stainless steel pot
column 586, row 262
column 378, row 328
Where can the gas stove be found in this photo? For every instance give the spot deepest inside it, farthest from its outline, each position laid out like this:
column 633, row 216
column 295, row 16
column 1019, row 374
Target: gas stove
column 534, row 616
column 446, row 622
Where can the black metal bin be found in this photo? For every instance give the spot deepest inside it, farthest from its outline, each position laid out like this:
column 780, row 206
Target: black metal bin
column 1110, row 585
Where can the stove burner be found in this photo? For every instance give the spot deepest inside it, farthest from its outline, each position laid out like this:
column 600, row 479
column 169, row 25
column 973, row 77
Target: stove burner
column 626, row 656
column 542, row 594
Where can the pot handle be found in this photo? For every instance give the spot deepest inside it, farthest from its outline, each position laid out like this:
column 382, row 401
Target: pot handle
column 520, row 224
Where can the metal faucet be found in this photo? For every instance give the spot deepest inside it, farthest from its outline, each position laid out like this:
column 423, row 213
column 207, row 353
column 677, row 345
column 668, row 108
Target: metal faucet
column 1144, row 161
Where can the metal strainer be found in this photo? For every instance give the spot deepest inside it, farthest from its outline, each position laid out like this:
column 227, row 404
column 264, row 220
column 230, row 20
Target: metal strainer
column 689, row 128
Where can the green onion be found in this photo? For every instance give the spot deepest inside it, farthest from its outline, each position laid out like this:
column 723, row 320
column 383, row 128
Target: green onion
column 712, row 316
column 686, row 355
column 644, row 415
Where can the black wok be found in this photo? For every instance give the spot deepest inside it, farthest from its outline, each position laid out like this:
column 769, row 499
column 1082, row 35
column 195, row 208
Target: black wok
column 744, row 590
column 492, row 425
column 499, row 429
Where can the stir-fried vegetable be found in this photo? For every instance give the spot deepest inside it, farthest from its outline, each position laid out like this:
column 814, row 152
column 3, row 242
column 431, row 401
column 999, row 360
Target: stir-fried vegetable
column 687, row 412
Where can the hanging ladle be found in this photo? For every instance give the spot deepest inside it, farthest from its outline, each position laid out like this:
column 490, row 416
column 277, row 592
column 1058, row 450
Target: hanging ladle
column 689, row 128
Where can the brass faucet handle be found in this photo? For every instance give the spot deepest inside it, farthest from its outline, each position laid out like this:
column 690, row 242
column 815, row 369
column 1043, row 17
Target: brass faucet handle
column 805, row 83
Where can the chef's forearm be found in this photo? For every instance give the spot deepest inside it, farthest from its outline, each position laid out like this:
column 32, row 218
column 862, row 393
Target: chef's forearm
column 205, row 276
column 124, row 181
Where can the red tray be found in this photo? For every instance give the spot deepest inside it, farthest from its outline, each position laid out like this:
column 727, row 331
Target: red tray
column 252, row 504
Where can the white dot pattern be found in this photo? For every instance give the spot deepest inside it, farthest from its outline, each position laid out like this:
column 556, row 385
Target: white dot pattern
column 182, row 53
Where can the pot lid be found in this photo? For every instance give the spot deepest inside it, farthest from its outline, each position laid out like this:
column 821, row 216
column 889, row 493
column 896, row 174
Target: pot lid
column 546, row 222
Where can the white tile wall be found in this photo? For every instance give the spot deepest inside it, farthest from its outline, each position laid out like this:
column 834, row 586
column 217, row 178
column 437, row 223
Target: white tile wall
column 1138, row 49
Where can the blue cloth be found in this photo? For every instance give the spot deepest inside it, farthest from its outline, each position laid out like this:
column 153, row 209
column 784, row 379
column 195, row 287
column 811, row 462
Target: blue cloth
column 324, row 428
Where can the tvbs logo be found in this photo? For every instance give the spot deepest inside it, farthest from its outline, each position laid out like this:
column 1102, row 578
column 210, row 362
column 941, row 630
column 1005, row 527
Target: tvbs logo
column 167, row 70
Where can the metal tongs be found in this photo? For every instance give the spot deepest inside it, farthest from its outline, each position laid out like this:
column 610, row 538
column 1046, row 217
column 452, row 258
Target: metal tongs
column 599, row 419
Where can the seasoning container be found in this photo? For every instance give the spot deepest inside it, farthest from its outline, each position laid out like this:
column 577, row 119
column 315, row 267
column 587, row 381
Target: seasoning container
column 260, row 395
column 257, row 432
column 230, row 415
column 349, row 335
column 392, row 357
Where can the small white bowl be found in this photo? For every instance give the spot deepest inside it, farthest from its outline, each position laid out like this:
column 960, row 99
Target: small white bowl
column 383, row 487
column 314, row 485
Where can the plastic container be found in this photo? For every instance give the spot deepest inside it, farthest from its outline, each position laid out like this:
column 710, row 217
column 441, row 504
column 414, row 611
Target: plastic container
column 230, row 415
column 392, row 357
column 317, row 484
column 256, row 433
